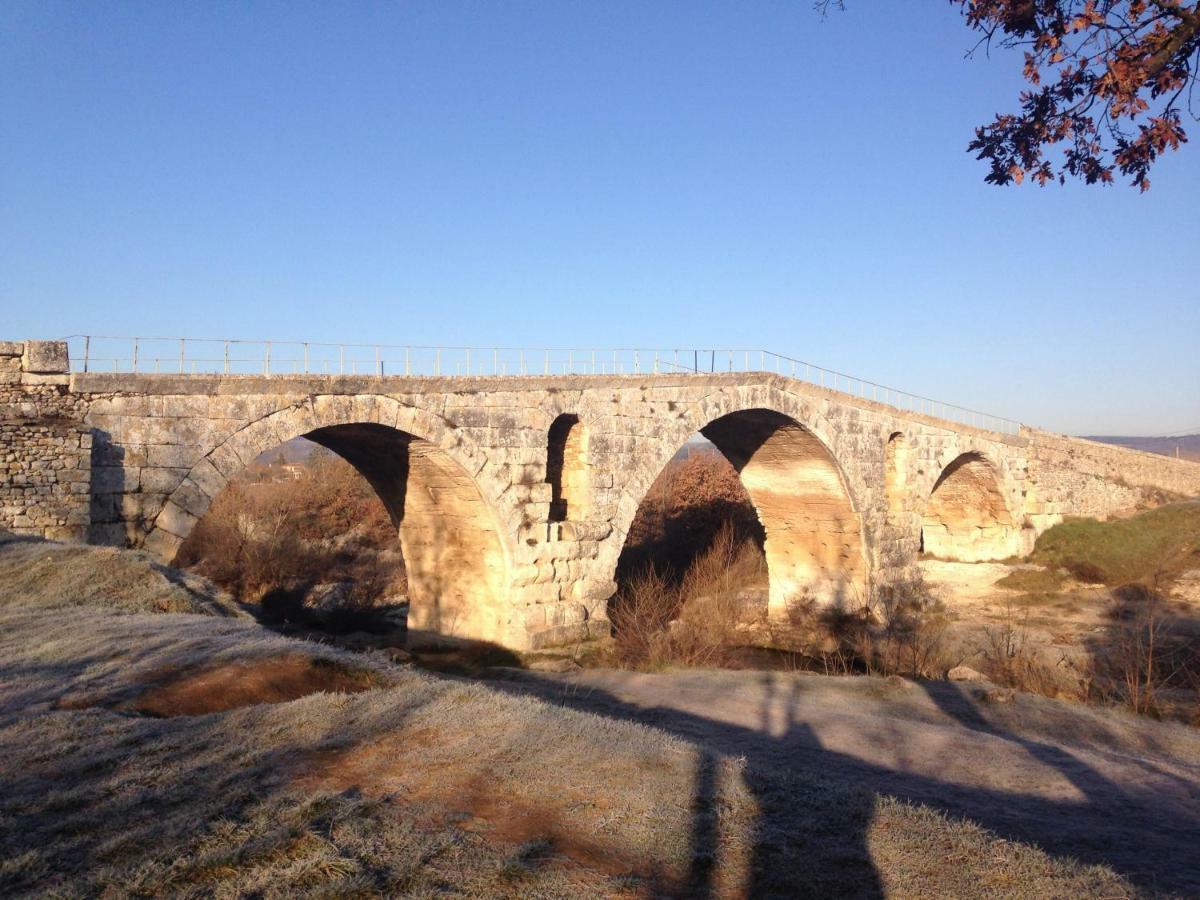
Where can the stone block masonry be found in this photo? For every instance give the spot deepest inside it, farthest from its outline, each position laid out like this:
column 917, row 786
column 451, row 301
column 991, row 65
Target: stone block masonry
column 45, row 449
column 512, row 496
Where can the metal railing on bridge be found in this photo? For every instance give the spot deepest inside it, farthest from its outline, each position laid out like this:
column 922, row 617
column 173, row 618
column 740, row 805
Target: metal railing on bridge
column 91, row 353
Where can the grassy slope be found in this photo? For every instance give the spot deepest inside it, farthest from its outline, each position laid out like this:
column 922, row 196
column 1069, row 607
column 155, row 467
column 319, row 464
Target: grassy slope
column 46, row 575
column 1159, row 543
column 428, row 786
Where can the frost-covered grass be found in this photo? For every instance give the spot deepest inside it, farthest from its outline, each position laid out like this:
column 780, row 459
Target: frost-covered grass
column 48, row 575
column 427, row 785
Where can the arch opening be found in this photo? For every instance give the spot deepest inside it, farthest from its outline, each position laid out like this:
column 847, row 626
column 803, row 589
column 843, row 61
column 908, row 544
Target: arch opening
column 811, row 536
column 697, row 495
column 567, row 469
column 453, row 559
column 966, row 518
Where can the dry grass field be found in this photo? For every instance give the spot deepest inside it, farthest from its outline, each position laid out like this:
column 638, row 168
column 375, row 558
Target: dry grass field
column 172, row 754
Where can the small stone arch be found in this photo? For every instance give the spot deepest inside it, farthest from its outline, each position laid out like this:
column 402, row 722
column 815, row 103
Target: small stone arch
column 966, row 518
column 429, row 480
column 567, row 469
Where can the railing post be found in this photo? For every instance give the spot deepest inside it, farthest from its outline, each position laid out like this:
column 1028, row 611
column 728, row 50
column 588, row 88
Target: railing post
column 267, row 358
column 546, row 362
column 227, row 357
column 306, row 357
column 181, row 340
column 468, row 360
column 135, row 354
column 407, row 367
column 87, row 347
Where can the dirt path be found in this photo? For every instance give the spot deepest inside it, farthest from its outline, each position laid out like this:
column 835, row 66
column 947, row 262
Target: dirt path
column 971, row 592
column 1099, row 786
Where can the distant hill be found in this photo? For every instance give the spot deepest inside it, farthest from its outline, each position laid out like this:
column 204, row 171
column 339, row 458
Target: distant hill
column 1188, row 444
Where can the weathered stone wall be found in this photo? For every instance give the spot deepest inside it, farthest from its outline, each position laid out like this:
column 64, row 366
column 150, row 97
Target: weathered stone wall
column 1074, row 477
column 44, row 447
column 465, row 467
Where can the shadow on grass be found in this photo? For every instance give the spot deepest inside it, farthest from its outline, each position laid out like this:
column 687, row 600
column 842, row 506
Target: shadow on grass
column 803, row 847
column 806, row 840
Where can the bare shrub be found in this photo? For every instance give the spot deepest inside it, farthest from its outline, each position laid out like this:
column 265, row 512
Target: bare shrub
column 640, row 615
column 686, row 507
column 1145, row 654
column 328, row 525
column 699, row 620
column 1010, row 659
column 909, row 637
column 1087, row 572
column 900, row 631
column 713, row 606
column 692, row 620
column 845, row 639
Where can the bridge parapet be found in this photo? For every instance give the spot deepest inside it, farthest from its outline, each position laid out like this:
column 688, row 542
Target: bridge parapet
column 193, row 356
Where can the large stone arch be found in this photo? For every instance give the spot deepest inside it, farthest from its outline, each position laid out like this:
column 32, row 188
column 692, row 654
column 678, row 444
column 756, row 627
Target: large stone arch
column 783, row 449
column 434, row 484
column 966, row 516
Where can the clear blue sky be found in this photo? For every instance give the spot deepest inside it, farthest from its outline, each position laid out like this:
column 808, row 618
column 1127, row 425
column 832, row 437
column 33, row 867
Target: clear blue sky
column 587, row 174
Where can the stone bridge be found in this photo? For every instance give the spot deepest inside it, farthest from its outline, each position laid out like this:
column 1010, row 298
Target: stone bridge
column 512, row 496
